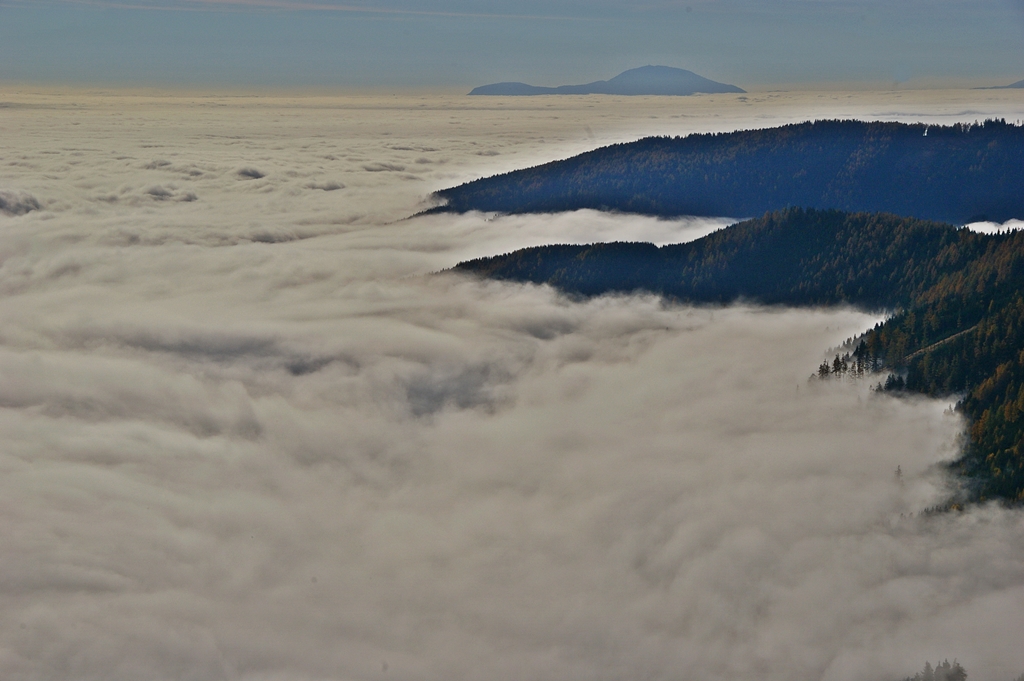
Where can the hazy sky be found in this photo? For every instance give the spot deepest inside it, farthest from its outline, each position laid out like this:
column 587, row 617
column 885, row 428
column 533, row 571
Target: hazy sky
column 461, row 43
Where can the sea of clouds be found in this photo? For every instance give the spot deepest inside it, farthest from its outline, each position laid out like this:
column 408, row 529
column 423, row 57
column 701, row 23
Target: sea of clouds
column 248, row 433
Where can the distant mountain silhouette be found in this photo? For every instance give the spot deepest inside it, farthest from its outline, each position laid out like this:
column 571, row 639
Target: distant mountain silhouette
column 1018, row 85
column 646, row 80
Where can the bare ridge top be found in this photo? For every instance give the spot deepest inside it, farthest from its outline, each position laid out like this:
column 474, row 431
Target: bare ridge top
column 646, row 80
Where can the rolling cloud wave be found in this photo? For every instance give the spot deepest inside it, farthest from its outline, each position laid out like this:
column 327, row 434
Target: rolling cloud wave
column 252, row 436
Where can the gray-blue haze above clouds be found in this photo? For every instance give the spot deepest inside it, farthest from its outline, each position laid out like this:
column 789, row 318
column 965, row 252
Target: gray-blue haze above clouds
column 459, row 43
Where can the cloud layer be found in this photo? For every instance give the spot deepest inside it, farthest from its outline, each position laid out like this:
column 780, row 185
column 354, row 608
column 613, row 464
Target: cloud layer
column 250, row 436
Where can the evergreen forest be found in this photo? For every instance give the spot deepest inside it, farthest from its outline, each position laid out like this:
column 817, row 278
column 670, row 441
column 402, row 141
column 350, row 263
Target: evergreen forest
column 942, row 671
column 954, row 299
column 960, row 173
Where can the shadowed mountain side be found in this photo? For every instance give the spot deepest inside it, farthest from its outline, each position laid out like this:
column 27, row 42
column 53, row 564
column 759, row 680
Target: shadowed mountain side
column 646, row 80
column 959, row 174
column 794, row 257
column 959, row 296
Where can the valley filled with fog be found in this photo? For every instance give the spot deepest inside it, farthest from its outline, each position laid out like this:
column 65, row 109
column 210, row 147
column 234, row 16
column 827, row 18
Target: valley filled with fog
column 249, row 432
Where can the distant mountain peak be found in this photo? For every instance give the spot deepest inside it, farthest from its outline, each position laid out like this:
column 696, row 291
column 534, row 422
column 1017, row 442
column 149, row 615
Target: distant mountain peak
column 645, row 80
column 1019, row 85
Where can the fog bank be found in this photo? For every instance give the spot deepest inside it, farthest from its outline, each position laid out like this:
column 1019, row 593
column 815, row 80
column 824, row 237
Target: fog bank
column 247, row 433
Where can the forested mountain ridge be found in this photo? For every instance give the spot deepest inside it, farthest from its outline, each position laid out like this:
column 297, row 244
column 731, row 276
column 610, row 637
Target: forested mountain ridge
column 957, row 174
column 790, row 257
column 958, row 297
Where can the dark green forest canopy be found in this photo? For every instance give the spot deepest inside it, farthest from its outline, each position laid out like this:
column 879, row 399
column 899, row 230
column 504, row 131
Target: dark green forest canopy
column 957, row 298
column 959, row 174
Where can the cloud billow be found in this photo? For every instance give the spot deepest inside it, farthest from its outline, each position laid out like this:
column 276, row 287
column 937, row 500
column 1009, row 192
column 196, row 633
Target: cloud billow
column 229, row 456
column 17, row 203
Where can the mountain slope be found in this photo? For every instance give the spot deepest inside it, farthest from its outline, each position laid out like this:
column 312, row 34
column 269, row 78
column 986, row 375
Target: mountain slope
column 957, row 174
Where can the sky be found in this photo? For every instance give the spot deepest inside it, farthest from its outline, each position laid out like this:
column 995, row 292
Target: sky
column 250, row 431
column 465, row 43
